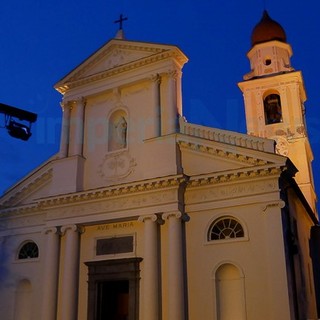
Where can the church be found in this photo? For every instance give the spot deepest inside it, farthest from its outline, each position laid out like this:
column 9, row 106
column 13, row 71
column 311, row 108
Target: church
column 142, row 215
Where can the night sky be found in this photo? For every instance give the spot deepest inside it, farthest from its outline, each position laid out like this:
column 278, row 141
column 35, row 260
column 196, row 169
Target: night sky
column 43, row 40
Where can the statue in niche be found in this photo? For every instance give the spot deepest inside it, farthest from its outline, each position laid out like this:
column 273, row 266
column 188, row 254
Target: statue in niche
column 118, row 133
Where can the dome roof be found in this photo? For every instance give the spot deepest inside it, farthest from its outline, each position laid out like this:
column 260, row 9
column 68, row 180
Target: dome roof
column 267, row 30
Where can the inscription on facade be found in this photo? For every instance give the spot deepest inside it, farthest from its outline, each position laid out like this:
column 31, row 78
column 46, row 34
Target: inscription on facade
column 122, row 225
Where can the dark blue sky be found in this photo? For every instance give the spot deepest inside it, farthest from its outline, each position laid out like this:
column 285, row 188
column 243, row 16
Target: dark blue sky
column 43, row 40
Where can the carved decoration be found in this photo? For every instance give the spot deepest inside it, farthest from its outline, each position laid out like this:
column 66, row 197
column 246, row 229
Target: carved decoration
column 159, row 55
column 282, row 145
column 116, row 166
column 221, row 153
column 115, row 191
column 27, row 189
column 115, row 204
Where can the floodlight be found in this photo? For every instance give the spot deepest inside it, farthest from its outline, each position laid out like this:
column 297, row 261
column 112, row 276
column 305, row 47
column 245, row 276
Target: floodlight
column 18, row 130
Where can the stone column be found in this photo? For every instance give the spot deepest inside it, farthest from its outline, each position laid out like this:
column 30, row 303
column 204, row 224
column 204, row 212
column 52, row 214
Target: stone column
column 176, row 303
column 156, row 79
column 151, row 268
column 51, row 274
column 78, row 123
column 65, row 129
column 69, row 301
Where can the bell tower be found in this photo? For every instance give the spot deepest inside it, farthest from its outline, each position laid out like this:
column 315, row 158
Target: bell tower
column 274, row 97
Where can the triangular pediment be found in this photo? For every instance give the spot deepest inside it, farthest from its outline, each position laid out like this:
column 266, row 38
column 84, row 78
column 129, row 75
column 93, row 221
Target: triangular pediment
column 117, row 56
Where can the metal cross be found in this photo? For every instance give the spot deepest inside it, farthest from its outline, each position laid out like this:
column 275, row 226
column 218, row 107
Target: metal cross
column 120, row 21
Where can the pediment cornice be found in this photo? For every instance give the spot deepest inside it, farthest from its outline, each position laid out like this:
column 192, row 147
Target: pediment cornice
column 152, row 54
column 13, row 198
column 222, row 153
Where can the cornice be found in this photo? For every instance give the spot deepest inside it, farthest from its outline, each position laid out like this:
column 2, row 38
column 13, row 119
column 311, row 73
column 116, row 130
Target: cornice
column 73, row 82
column 26, row 190
column 19, row 210
column 193, row 146
column 113, row 191
column 244, row 174
column 265, row 82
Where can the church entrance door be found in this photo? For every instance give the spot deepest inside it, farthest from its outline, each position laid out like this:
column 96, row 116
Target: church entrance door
column 113, row 300
column 113, row 289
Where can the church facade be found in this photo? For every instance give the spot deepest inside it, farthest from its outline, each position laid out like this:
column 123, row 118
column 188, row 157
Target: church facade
column 143, row 215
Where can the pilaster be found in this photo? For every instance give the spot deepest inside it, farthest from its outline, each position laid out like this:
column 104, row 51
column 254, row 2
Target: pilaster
column 69, row 301
column 151, row 267
column 51, row 269
column 65, row 130
column 176, row 301
column 77, row 123
column 156, row 81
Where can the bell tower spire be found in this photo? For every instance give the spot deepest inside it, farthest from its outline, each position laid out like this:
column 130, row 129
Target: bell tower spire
column 274, row 97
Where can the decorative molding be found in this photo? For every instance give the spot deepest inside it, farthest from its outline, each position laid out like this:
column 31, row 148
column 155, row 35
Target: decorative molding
column 235, row 175
column 282, row 145
column 72, row 227
column 116, row 166
column 113, row 191
column 53, row 230
column 224, row 136
column 175, row 214
column 112, row 205
column 26, row 190
column 221, row 153
column 16, row 218
column 113, row 51
column 278, row 204
column 156, row 78
column 6, row 212
column 158, row 56
column 153, row 217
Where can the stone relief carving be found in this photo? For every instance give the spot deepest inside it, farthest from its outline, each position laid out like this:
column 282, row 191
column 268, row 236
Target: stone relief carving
column 116, row 166
column 116, row 58
column 282, row 146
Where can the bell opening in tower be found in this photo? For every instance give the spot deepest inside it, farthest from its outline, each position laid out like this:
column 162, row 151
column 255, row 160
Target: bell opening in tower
column 272, row 109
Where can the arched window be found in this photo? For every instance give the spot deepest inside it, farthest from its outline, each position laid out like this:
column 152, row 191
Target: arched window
column 230, row 296
column 225, row 228
column 272, row 109
column 117, row 132
column 23, row 301
column 28, row 250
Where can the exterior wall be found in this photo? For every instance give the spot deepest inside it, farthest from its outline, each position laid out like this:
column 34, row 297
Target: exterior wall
column 138, row 160
column 301, row 224
column 259, row 256
column 15, row 272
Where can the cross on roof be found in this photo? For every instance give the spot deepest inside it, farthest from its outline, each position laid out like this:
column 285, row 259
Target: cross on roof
column 120, row 21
